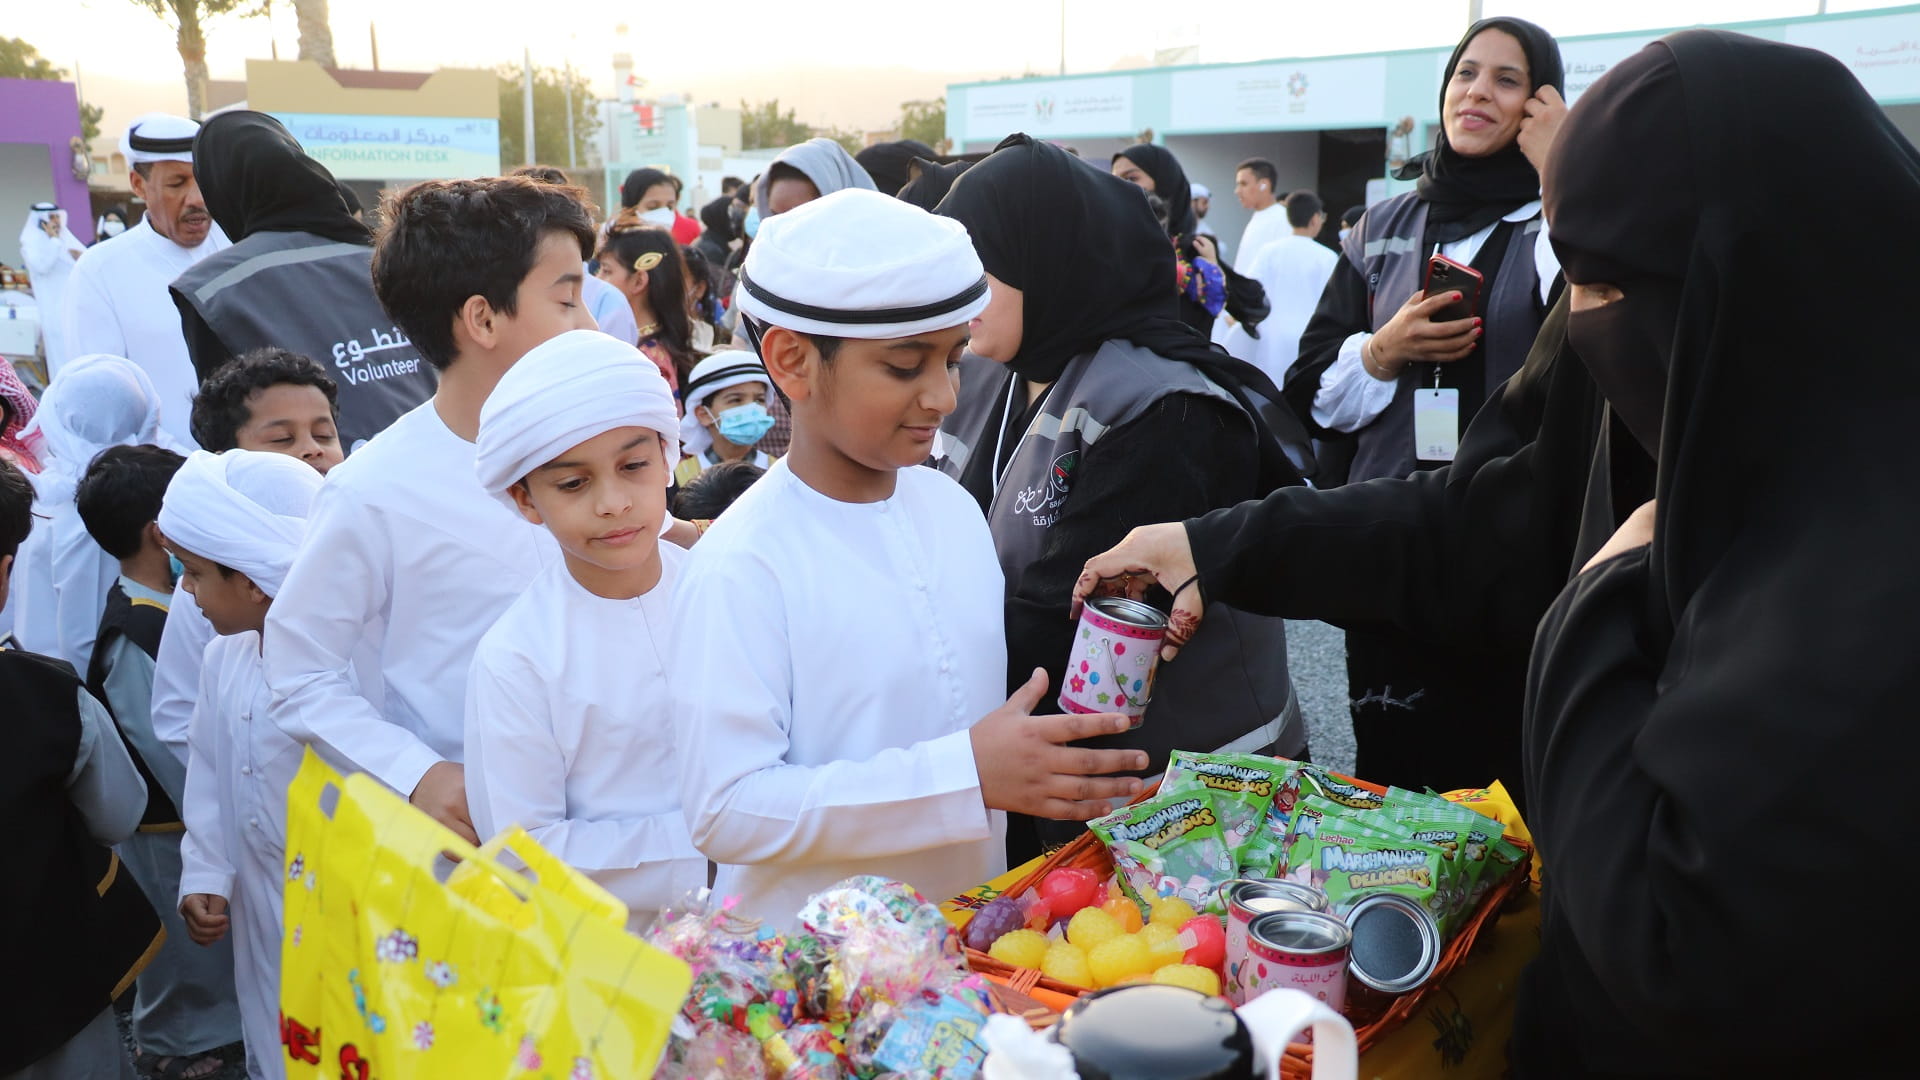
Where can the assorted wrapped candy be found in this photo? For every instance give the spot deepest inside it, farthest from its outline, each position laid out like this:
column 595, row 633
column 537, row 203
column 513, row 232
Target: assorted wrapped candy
column 873, row 985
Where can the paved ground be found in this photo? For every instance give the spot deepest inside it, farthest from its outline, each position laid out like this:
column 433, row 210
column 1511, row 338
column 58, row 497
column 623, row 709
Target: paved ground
column 1317, row 656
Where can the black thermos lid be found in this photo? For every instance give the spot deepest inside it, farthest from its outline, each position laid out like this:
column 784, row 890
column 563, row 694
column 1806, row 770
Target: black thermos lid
column 1156, row 1033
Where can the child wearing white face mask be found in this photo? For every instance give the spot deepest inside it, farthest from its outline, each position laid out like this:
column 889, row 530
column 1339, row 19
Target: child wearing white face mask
column 726, row 414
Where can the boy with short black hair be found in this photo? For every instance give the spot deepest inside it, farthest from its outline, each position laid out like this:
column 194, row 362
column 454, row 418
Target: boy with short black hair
column 709, row 495
column 271, row 400
column 839, row 636
column 69, row 791
column 185, row 1007
column 408, row 559
column 568, row 730
column 234, row 521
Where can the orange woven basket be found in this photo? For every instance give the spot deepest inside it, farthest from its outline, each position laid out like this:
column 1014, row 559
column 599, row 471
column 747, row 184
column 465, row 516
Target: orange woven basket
column 1087, row 851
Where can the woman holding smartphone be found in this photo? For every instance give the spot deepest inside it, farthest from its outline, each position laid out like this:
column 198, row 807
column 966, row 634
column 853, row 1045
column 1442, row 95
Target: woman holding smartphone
column 1395, row 375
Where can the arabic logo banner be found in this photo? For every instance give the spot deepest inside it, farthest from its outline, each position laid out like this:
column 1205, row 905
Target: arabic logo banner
column 399, row 147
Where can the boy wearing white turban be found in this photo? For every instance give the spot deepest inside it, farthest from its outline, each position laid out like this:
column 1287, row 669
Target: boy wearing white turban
column 234, row 521
column 567, row 729
column 726, row 396
column 839, row 638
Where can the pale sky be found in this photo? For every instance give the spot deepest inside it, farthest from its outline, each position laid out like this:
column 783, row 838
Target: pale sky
column 839, row 62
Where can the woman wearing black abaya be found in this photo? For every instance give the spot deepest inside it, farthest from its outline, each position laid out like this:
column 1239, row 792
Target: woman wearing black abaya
column 1110, row 413
column 1431, row 713
column 1691, row 698
column 1693, row 704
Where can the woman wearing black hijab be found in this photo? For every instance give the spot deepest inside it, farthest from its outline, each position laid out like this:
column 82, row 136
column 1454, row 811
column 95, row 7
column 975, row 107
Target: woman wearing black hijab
column 298, row 276
column 1205, row 284
column 1429, row 713
column 1110, row 413
column 1695, row 700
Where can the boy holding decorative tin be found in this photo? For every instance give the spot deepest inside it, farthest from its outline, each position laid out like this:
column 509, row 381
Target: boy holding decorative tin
column 839, row 637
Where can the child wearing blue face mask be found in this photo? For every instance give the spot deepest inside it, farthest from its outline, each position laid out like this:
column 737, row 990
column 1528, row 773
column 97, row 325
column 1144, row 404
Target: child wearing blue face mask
column 726, row 402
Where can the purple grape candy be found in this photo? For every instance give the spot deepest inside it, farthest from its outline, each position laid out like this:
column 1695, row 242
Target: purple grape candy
column 1000, row 917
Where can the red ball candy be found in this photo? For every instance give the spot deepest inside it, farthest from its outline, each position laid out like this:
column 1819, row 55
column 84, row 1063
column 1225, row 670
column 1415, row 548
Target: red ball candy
column 1069, row 889
column 1210, row 950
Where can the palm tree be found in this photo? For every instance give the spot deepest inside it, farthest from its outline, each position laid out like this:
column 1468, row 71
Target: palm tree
column 316, row 37
column 186, row 17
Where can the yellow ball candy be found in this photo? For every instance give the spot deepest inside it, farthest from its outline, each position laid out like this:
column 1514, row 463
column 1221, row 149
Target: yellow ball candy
column 1021, row 948
column 1160, row 942
column 1189, row 976
column 1172, row 911
column 1118, row 959
column 1091, row 926
column 1065, row 962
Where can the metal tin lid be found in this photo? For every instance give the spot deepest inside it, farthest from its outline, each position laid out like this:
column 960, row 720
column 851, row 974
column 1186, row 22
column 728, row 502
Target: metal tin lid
column 1131, row 612
column 1156, row 1033
column 1302, row 933
column 1396, row 943
column 1290, row 895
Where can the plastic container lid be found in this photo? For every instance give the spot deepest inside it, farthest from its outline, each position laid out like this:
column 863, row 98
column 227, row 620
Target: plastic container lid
column 1156, row 1033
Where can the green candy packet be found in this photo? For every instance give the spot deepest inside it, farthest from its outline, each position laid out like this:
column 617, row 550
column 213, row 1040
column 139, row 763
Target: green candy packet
column 1170, row 845
column 1348, row 866
column 1254, row 796
column 1316, row 781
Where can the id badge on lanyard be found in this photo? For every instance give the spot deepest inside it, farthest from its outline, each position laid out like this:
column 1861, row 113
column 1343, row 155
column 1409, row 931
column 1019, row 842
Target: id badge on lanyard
column 1436, row 421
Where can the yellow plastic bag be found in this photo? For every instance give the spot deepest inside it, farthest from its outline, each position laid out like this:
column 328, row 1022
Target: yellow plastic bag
column 408, row 953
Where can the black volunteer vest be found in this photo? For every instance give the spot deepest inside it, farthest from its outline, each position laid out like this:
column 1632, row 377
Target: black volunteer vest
column 1230, row 687
column 1392, row 258
column 313, row 296
column 141, row 623
column 74, row 925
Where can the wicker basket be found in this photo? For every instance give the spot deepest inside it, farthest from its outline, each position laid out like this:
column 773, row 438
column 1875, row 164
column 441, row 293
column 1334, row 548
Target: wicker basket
column 1087, row 851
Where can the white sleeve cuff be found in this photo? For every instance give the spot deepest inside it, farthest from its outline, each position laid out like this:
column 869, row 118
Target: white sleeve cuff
column 1349, row 398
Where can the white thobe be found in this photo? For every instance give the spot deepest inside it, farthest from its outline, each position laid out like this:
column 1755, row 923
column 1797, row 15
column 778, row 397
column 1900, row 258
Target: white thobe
column 407, row 561
column 570, row 736
column 50, row 260
column 829, row 661
column 117, row 303
column 1293, row 270
column 238, row 770
column 81, row 575
column 176, row 671
column 1263, row 228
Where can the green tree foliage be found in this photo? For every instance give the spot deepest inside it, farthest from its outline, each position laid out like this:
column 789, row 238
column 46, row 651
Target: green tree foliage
column 19, row 60
column 188, row 19
column 925, row 121
column 764, row 126
column 551, row 88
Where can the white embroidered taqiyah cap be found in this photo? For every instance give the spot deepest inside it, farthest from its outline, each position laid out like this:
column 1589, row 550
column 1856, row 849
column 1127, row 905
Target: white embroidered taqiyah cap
column 563, row 392
column 858, row 264
column 159, row 137
column 710, row 376
column 244, row 509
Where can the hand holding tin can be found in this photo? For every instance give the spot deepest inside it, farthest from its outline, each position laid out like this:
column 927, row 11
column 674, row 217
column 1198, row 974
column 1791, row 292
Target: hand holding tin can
column 1150, row 555
column 1115, row 651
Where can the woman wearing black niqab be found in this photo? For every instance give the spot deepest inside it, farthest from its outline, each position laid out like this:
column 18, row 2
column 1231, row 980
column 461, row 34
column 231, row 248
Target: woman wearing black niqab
column 1109, row 412
column 1722, row 718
